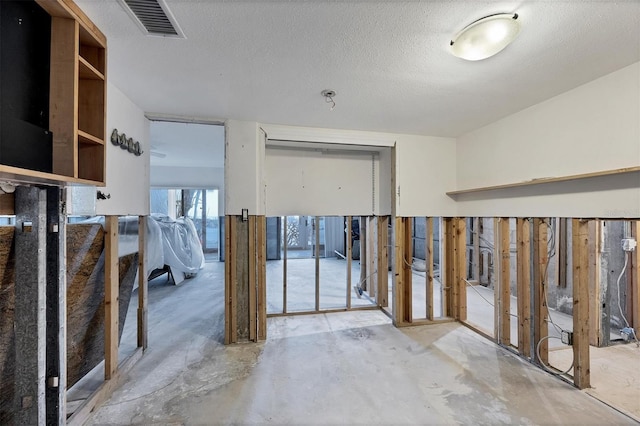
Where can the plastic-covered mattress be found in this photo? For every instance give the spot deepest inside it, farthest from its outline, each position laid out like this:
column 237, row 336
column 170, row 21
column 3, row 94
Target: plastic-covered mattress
column 181, row 247
column 169, row 242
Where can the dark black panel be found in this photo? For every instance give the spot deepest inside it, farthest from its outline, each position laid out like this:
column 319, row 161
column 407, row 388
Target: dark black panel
column 25, row 145
column 25, row 45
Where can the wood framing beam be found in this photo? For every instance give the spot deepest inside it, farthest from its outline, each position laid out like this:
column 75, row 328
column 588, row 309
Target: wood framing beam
column 429, row 267
column 581, row 363
column 595, row 301
column 454, row 277
column 231, row 336
column 111, row 294
column 244, row 274
column 262, row 277
column 540, row 310
column 253, row 300
column 407, row 260
column 460, row 277
column 524, row 286
column 382, row 296
column 446, row 267
column 402, row 273
column 284, row 267
column 84, row 412
column 505, row 282
column 497, row 262
column 349, row 255
column 476, row 249
column 143, row 330
column 316, row 230
column 398, row 275
column 364, row 265
column 372, row 257
column 635, row 287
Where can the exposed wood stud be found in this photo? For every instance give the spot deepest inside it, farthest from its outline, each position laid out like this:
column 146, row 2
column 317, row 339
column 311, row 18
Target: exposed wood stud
column 407, row 261
column 505, row 282
column 383, row 261
column 635, row 288
column 595, row 302
column 476, row 249
column 111, row 292
column 446, row 267
column 252, row 258
column 524, row 284
column 403, row 271
column 142, row 285
column 316, row 229
column 372, row 257
column 284, row 267
column 497, row 262
column 429, row 267
column 540, row 260
column 460, row 283
column 262, row 278
column 349, row 254
column 455, row 272
column 398, row 272
column 227, row 280
column 581, row 364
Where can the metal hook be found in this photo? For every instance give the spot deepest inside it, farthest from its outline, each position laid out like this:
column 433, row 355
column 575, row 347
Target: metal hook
column 328, row 98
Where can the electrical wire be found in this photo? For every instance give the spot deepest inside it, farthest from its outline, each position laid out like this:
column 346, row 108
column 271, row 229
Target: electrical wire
column 546, row 367
column 485, row 299
column 624, row 268
column 550, row 254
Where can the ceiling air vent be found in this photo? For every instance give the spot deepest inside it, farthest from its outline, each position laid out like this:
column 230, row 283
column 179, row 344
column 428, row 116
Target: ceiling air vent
column 153, row 17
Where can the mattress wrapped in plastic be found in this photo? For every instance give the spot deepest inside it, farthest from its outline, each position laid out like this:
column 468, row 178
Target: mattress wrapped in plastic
column 181, row 246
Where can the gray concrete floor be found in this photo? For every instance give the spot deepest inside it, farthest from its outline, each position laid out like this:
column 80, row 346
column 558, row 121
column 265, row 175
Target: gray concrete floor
column 341, row 368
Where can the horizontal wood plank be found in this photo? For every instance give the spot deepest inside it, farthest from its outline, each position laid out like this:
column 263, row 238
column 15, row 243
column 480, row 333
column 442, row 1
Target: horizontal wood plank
column 546, row 180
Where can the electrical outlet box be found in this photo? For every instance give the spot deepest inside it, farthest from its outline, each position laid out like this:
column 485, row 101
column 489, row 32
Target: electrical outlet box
column 566, row 337
column 629, row 244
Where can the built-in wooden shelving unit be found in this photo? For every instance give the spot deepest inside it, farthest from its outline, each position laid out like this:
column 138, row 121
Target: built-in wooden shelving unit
column 77, row 100
column 547, row 180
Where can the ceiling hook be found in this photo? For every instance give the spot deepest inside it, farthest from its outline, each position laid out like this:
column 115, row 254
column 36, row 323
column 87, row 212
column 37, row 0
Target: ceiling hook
column 328, row 98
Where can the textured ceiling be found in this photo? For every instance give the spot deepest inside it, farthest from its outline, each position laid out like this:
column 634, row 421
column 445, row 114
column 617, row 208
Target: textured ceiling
column 388, row 61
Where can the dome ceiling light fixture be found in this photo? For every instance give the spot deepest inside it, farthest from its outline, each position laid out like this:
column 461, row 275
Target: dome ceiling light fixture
column 486, row 36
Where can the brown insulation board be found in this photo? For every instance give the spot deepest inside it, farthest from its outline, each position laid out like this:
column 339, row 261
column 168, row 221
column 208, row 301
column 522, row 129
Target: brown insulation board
column 85, row 305
column 85, row 298
column 7, row 301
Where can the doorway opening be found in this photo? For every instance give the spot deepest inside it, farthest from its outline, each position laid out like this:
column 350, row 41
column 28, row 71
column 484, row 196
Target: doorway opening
column 316, row 264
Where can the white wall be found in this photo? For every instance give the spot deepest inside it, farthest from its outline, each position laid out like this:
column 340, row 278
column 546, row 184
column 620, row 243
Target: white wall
column 309, row 182
column 127, row 176
column 592, row 128
column 244, row 168
column 425, row 168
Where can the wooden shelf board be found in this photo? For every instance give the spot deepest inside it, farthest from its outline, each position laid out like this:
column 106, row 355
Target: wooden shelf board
column 87, row 138
column 24, row 176
column 541, row 181
column 88, row 71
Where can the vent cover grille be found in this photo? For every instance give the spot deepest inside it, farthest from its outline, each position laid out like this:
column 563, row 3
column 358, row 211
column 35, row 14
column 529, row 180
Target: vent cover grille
column 153, row 17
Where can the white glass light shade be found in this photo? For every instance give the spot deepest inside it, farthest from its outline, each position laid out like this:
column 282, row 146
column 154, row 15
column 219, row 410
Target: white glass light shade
column 486, row 37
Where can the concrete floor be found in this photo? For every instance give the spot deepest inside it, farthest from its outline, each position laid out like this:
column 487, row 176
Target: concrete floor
column 341, row 368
